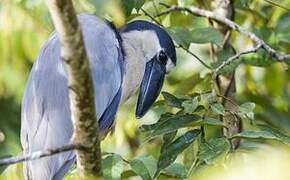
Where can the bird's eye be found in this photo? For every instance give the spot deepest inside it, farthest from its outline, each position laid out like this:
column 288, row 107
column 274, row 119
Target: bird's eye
column 162, row 57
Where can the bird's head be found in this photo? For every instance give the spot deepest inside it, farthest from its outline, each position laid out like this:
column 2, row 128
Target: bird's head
column 159, row 57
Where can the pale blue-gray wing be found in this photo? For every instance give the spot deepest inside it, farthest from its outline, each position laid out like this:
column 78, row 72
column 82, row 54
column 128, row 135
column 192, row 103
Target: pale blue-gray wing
column 45, row 118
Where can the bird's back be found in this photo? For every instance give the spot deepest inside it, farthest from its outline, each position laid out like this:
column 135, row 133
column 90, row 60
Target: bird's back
column 46, row 121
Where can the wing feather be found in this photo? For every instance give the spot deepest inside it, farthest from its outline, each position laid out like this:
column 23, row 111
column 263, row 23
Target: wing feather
column 46, row 121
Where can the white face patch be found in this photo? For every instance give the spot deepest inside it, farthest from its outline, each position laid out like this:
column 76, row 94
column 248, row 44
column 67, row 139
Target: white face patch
column 147, row 41
column 140, row 47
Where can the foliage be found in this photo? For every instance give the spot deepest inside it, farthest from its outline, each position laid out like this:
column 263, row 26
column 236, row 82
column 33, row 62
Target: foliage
column 185, row 122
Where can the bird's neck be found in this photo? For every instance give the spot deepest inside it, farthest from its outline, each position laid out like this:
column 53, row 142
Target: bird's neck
column 134, row 65
column 139, row 47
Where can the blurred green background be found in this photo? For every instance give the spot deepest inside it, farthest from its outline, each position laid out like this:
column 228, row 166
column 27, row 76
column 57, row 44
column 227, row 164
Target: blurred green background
column 26, row 24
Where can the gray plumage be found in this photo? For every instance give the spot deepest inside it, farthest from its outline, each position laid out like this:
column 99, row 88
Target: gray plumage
column 46, row 121
column 149, row 53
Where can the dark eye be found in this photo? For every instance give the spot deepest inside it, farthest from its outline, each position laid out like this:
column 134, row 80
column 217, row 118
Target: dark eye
column 162, row 57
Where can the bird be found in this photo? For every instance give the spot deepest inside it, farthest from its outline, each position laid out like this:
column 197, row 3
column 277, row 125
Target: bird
column 131, row 59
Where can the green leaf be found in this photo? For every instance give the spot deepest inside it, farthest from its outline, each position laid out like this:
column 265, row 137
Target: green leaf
column 283, row 28
column 212, row 122
column 206, row 35
column 127, row 6
column 283, row 23
column 206, row 99
column 190, row 105
column 128, row 174
column 112, row 166
column 167, row 138
column 150, row 127
column 2, row 169
column 175, row 170
column 256, row 135
column 247, row 107
column 218, row 108
column 267, row 133
column 2, row 137
column 171, row 100
column 139, row 4
column 172, row 150
column 181, row 36
column 244, row 3
column 223, row 55
column 284, row 138
column 246, row 110
column 260, row 58
column 174, row 123
column 209, row 151
column 144, row 166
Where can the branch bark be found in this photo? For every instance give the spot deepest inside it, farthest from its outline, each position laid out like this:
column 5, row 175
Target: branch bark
column 39, row 154
column 226, row 84
column 234, row 26
column 81, row 92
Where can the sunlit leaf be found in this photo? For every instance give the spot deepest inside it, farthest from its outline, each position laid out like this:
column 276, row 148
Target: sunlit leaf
column 208, row 151
column 275, row 132
column 139, row 4
column 247, row 107
column 190, row 105
column 206, row 35
column 167, row 138
column 112, row 166
column 224, row 55
column 2, row 168
column 174, row 123
column 127, row 6
column 283, row 23
column 144, row 166
column 172, row 150
column 2, row 137
column 218, row 108
column 171, row 100
column 175, row 170
column 211, row 122
column 150, row 127
column 182, row 36
column 243, row 3
column 206, row 99
column 246, row 110
column 256, row 135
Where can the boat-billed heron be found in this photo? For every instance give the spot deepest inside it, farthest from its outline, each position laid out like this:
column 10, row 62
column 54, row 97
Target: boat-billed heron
column 136, row 56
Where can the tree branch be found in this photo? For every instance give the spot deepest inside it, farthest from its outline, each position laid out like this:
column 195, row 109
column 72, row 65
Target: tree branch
column 39, row 154
column 81, row 92
column 209, row 14
column 236, row 56
column 179, row 46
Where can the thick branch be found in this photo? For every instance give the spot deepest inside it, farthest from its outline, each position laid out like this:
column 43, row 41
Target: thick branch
column 81, row 92
column 201, row 12
column 39, row 154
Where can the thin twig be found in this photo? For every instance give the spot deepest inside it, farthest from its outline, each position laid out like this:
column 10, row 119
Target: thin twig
column 237, row 56
column 209, row 14
column 39, row 154
column 276, row 4
column 179, row 46
column 151, row 17
column 228, row 99
column 156, row 9
column 195, row 56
